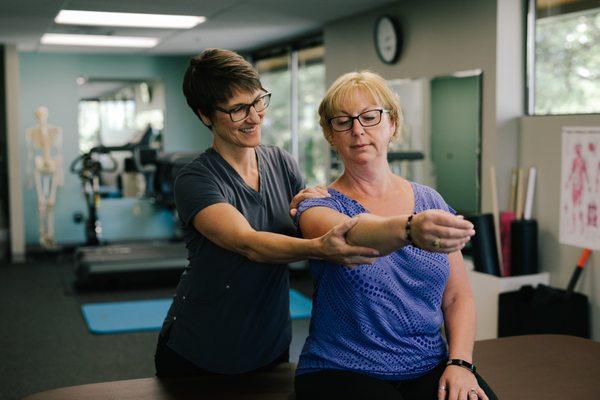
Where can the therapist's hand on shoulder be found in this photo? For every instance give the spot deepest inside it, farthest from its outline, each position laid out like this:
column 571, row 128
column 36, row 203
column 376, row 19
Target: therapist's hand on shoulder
column 335, row 248
column 304, row 194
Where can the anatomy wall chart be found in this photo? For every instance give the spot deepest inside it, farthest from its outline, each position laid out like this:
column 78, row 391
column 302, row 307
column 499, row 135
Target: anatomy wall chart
column 580, row 187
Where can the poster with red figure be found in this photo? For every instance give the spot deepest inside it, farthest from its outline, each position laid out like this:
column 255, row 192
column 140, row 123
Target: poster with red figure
column 580, row 187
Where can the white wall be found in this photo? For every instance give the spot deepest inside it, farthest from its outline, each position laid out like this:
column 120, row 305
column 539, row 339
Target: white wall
column 540, row 146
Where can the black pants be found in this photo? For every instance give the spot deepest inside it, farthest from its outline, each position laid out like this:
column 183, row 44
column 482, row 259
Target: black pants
column 170, row 364
column 335, row 384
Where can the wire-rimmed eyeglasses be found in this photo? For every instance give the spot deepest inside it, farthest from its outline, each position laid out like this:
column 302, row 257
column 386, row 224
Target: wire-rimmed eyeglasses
column 366, row 119
column 241, row 111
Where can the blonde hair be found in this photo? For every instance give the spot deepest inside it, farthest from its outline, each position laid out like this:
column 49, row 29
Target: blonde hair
column 343, row 88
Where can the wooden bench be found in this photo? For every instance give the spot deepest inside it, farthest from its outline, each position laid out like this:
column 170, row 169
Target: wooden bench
column 533, row 367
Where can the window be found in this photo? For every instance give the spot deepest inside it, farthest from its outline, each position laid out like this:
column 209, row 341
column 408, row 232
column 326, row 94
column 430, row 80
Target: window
column 297, row 80
column 275, row 77
column 564, row 57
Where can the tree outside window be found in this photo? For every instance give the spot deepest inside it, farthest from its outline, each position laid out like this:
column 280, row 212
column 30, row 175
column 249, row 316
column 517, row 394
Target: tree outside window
column 566, row 76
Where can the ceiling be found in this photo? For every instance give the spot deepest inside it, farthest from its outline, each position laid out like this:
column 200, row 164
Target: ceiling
column 241, row 25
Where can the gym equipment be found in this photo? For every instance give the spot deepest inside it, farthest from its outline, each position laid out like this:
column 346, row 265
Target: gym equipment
column 98, row 259
column 483, row 244
column 167, row 167
column 88, row 167
column 107, row 261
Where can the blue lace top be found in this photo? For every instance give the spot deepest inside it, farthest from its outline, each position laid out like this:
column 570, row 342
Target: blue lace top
column 383, row 319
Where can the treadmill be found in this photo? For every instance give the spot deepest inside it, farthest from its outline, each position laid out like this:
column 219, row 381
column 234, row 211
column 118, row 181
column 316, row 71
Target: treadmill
column 92, row 262
column 97, row 260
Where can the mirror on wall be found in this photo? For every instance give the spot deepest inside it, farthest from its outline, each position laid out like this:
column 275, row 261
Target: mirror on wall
column 441, row 142
column 113, row 112
column 120, row 120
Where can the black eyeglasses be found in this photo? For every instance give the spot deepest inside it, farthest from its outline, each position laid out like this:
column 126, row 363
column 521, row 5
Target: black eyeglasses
column 366, row 119
column 241, row 111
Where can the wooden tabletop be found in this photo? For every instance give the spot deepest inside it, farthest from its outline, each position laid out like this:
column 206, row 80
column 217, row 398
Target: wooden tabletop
column 544, row 367
column 533, row 367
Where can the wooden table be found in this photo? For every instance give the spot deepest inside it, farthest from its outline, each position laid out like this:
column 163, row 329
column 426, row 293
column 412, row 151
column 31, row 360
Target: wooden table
column 544, row 367
column 533, row 367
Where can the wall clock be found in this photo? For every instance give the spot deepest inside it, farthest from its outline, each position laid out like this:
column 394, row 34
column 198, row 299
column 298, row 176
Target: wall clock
column 388, row 39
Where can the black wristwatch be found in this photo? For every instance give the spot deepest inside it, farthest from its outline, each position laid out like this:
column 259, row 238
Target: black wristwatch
column 462, row 363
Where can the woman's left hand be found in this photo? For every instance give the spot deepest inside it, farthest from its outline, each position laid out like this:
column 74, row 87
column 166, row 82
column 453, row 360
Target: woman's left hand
column 308, row 193
column 458, row 383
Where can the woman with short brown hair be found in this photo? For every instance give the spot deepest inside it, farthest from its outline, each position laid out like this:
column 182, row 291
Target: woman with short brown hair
column 230, row 313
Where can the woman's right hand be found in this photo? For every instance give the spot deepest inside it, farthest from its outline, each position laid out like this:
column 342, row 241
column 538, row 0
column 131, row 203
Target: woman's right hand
column 440, row 231
column 308, row 193
column 336, row 249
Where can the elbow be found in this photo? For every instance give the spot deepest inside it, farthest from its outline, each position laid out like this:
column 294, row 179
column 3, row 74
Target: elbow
column 246, row 251
column 460, row 300
column 254, row 256
column 246, row 248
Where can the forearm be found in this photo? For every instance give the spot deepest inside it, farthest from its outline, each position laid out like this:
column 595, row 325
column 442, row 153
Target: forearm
column 459, row 320
column 385, row 234
column 275, row 248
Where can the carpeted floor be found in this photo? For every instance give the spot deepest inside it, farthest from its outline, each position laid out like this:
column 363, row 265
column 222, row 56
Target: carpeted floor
column 44, row 342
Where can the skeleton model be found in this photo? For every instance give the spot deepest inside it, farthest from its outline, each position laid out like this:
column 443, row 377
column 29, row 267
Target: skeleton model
column 45, row 159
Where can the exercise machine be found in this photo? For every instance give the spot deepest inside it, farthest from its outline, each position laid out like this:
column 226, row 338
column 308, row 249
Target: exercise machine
column 98, row 258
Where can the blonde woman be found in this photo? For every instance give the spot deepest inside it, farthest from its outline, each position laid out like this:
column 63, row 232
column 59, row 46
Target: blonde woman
column 376, row 329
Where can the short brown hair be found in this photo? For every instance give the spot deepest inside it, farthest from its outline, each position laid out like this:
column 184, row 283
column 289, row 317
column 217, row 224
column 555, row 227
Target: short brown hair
column 337, row 95
column 213, row 76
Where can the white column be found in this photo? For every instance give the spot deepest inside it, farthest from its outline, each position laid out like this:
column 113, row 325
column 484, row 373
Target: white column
column 294, row 103
column 510, row 91
column 15, row 187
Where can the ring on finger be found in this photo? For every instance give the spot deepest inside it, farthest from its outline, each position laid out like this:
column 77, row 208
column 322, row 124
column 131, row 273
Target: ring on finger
column 442, row 388
column 437, row 243
column 473, row 393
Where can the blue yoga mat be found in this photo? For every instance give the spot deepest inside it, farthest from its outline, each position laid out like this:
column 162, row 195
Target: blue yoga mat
column 148, row 315
column 300, row 305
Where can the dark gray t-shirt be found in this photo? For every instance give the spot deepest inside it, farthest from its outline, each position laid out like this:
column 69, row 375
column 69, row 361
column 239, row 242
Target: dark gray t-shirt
column 230, row 314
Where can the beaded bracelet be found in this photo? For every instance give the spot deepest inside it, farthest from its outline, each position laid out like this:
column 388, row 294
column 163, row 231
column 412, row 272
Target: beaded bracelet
column 409, row 238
